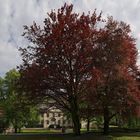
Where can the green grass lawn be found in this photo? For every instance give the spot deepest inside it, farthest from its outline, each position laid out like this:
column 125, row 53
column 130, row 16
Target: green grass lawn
column 40, row 131
column 127, row 136
column 90, row 136
column 55, row 137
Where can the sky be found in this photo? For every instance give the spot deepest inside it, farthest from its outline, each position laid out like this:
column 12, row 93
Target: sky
column 16, row 13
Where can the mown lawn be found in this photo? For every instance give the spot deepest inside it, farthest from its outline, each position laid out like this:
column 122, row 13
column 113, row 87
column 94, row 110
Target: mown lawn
column 55, row 137
column 90, row 136
column 40, row 131
column 127, row 136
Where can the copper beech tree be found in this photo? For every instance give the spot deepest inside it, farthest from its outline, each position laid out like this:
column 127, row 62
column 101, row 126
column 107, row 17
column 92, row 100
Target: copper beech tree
column 59, row 60
column 114, row 87
column 73, row 56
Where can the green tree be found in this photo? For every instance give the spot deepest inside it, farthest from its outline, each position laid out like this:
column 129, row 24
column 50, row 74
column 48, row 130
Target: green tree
column 17, row 111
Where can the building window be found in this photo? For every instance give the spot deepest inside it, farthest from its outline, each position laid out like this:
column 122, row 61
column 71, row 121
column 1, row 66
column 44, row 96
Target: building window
column 53, row 119
column 59, row 114
column 58, row 122
column 47, row 121
column 64, row 121
column 47, row 114
column 69, row 122
column 53, row 114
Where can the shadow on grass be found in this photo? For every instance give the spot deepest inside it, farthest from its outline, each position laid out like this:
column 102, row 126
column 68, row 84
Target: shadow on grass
column 115, row 134
column 118, row 132
column 85, row 136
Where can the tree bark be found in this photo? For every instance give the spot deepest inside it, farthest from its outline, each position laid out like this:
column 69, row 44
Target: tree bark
column 106, row 121
column 76, row 123
column 19, row 130
column 15, row 126
column 88, row 124
column 16, row 129
column 75, row 118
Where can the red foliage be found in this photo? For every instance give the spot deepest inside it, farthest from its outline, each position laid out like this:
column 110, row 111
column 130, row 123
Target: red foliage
column 114, row 84
column 72, row 59
column 60, row 59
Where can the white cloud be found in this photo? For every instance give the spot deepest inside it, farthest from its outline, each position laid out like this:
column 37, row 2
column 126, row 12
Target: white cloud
column 9, row 58
column 15, row 14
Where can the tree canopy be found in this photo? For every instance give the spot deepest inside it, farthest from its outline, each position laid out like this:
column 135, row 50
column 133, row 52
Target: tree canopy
column 73, row 58
column 16, row 112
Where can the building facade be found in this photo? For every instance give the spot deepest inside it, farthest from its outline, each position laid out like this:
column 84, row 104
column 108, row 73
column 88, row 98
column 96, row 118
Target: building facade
column 55, row 118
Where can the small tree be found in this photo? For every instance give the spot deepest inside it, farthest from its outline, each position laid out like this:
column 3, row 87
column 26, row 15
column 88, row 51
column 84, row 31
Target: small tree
column 87, row 113
column 16, row 110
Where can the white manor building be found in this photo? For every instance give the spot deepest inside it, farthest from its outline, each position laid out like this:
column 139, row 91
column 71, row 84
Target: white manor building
column 55, row 118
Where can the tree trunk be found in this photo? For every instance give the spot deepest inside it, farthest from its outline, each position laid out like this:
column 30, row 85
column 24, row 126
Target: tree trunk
column 19, row 130
column 16, row 129
column 88, row 124
column 76, row 123
column 116, row 120
column 15, row 126
column 75, row 117
column 106, row 121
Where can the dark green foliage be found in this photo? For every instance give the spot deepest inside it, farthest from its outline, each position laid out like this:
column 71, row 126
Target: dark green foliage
column 17, row 113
